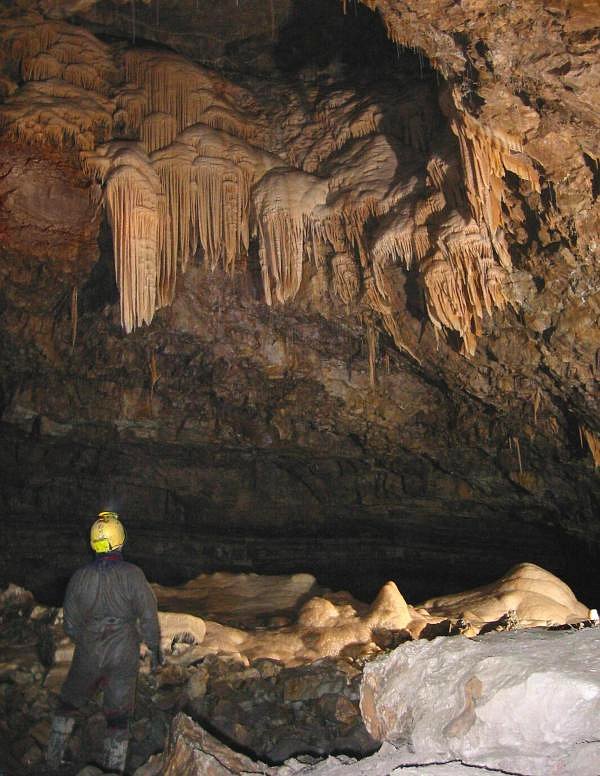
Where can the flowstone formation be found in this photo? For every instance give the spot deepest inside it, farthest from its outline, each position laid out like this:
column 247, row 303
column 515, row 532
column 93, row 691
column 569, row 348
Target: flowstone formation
column 274, row 665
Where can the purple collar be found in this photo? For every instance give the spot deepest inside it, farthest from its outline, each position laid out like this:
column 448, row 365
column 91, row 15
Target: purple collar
column 115, row 555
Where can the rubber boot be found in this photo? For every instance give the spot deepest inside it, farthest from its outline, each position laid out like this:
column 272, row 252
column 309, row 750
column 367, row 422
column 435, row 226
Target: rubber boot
column 115, row 752
column 61, row 729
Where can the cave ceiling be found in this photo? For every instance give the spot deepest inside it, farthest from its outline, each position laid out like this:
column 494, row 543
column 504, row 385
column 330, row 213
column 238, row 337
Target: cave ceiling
column 310, row 284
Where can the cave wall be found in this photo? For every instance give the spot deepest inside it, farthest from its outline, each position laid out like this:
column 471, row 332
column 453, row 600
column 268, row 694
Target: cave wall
column 235, row 435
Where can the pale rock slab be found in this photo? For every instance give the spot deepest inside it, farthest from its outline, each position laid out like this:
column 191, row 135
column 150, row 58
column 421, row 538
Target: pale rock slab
column 526, row 702
column 192, row 750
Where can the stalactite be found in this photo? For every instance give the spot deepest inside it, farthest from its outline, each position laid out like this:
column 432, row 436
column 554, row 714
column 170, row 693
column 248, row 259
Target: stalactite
column 220, row 212
column 177, row 240
column 462, row 281
column 153, row 373
column 68, row 74
column 375, row 202
column 132, row 22
column 132, row 102
column 283, row 203
column 132, row 193
column 234, row 122
column 44, row 49
column 486, row 155
column 74, row 317
column 593, row 443
column 59, row 112
column 378, row 300
column 372, row 341
column 175, row 86
column 345, row 278
column 518, row 449
column 537, row 400
column 40, row 67
column 157, row 131
column 28, row 36
column 364, row 183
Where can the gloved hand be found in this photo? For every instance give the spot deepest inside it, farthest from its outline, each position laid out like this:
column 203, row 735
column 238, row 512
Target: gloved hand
column 157, row 658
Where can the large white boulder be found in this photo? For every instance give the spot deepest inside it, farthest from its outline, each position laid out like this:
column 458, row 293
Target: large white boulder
column 526, row 702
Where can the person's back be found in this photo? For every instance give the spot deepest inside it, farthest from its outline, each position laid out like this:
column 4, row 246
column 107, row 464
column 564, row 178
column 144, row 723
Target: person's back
column 109, row 596
column 109, row 608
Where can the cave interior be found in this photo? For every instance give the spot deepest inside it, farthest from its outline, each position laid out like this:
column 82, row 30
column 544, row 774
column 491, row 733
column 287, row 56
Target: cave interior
column 300, row 286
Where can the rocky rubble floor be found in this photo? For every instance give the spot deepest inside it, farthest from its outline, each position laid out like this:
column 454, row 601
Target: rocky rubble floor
column 242, row 695
column 269, row 710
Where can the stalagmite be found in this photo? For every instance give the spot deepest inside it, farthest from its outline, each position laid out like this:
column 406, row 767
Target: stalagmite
column 536, row 595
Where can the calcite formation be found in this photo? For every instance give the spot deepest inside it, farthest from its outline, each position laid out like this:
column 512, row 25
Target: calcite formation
column 304, row 627
column 173, row 192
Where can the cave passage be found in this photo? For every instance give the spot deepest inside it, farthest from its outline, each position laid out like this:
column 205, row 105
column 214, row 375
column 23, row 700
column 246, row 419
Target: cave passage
column 276, row 326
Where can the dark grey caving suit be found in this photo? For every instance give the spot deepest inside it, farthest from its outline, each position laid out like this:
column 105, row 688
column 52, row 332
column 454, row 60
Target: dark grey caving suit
column 109, row 607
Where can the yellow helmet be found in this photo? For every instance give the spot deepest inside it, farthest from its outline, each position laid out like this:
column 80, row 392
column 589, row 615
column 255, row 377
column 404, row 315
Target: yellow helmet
column 107, row 533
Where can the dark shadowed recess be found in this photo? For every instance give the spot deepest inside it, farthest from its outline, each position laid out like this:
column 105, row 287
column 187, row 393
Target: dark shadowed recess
column 319, row 35
column 54, row 487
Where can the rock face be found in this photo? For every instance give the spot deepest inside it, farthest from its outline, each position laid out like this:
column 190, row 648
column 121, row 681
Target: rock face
column 525, row 703
column 418, row 395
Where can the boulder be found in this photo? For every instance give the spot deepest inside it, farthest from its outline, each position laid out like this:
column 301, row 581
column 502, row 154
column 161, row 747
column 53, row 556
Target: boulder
column 518, row 701
column 192, row 750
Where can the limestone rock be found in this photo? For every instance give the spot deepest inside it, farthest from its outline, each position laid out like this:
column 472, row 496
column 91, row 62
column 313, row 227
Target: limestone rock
column 522, row 702
column 192, row 750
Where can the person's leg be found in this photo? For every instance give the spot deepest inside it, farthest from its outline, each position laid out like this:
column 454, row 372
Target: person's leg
column 119, row 702
column 79, row 685
column 63, row 722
